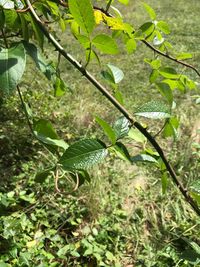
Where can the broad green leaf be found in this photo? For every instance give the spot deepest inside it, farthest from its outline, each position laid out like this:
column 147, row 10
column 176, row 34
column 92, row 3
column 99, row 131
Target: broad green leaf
column 105, row 44
column 124, row 2
column 150, row 11
column 169, row 73
column 171, row 127
column 166, row 91
column 119, row 96
column 12, row 66
column 83, row 155
column 11, row 19
column 136, row 135
column 117, row 74
column 45, row 133
column 153, row 76
column 39, row 36
column 143, row 158
column 60, row 87
column 121, row 127
column 7, row 4
column 163, row 26
column 24, row 27
column 46, row 68
column 155, row 64
column 131, row 45
column 107, row 129
column 108, row 76
column 183, row 56
column 83, row 40
column 147, row 28
column 154, row 110
column 83, row 14
column 121, row 151
column 174, row 84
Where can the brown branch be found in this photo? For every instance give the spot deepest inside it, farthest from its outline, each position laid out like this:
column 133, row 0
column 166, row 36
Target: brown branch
column 119, row 107
column 170, row 57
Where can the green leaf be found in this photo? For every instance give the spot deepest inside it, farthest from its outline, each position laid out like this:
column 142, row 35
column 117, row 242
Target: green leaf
column 171, row 127
column 154, row 110
column 11, row 19
column 124, row 2
column 183, row 56
column 12, row 66
column 105, row 44
column 108, row 76
column 163, row 26
column 83, row 14
column 83, row 40
column 46, row 68
column 131, row 45
column 83, row 154
column 45, row 133
column 136, row 135
column 107, row 129
column 153, row 76
column 150, row 11
column 121, row 127
column 169, row 73
column 166, row 91
column 143, row 158
column 147, row 28
column 117, row 74
column 39, row 36
column 60, row 87
column 121, row 151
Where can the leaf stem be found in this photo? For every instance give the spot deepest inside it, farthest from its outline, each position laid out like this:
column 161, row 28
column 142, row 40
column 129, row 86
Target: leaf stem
column 108, row 5
column 120, row 108
column 4, row 38
column 25, row 110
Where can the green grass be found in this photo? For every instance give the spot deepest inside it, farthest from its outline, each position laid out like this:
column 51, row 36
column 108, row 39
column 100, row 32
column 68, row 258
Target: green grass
column 121, row 217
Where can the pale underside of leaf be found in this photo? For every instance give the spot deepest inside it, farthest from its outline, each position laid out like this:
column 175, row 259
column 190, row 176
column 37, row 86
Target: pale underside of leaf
column 12, row 66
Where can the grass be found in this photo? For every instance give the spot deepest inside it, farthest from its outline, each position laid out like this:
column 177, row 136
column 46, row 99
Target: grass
column 120, row 218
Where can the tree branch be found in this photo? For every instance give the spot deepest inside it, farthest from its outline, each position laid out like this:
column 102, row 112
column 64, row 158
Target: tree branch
column 119, row 107
column 170, row 57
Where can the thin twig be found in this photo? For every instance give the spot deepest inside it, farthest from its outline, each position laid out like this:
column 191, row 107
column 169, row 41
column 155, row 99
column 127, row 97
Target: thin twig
column 108, row 5
column 4, row 38
column 77, row 182
column 170, row 57
column 120, row 108
column 25, row 111
column 56, row 175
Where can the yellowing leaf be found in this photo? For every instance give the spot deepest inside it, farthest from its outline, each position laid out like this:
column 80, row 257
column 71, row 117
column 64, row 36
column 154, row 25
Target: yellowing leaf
column 31, row 244
column 114, row 23
column 98, row 16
